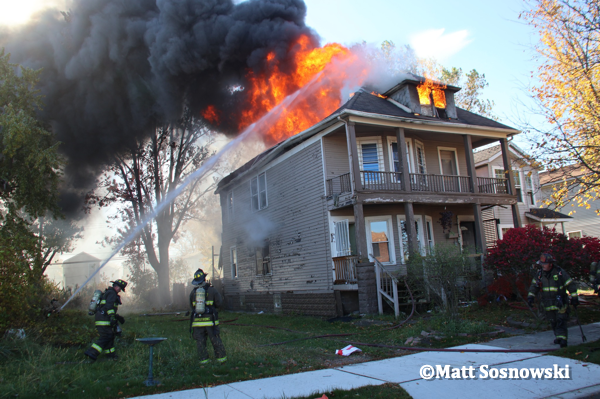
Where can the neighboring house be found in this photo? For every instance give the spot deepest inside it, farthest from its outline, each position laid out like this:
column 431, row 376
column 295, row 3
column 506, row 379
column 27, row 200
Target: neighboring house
column 308, row 223
column 78, row 269
column 582, row 221
column 498, row 219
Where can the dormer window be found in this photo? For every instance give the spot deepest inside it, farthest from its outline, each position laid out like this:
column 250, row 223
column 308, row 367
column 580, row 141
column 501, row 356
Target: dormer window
column 432, row 96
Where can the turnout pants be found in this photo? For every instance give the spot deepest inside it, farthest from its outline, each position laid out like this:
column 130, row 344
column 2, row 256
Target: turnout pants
column 104, row 344
column 558, row 319
column 200, row 334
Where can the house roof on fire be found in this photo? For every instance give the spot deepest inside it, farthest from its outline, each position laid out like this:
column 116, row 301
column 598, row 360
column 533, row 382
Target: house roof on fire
column 365, row 104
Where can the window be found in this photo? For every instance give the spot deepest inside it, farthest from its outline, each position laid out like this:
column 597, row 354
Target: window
column 395, row 161
column 449, row 167
column 343, row 246
column 574, row 234
column 499, row 174
column 258, row 189
column 429, row 233
column 230, row 205
column 380, row 238
column 404, row 235
column 503, row 228
column 263, row 259
column 233, row 259
column 529, row 187
column 519, row 191
column 369, row 157
column 420, row 149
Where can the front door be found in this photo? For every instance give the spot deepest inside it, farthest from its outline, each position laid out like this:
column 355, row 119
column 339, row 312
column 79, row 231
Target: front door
column 467, row 231
column 449, row 170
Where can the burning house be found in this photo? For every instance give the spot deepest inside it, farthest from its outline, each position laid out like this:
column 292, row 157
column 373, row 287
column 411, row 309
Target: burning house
column 310, row 223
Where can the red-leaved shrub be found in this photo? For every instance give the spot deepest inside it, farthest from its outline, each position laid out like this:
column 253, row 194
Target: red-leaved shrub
column 514, row 256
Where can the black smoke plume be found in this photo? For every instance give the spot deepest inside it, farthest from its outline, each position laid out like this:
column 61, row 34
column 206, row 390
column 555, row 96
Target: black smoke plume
column 114, row 69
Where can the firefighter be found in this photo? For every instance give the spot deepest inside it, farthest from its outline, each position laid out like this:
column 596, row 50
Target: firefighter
column 106, row 321
column 204, row 300
column 595, row 276
column 553, row 282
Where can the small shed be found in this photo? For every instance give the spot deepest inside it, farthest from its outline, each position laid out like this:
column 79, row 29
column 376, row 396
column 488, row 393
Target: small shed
column 79, row 268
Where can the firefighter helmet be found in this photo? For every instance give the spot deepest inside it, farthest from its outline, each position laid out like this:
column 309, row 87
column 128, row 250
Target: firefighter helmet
column 121, row 283
column 548, row 256
column 199, row 277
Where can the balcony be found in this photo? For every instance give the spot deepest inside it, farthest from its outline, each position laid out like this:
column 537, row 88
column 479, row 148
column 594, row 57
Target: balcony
column 429, row 183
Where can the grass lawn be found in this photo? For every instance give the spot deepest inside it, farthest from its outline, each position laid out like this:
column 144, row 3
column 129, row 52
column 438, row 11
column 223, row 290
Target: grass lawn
column 588, row 352
column 50, row 361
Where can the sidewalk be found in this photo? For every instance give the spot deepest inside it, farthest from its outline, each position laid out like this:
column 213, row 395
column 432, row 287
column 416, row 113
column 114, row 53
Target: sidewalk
column 584, row 381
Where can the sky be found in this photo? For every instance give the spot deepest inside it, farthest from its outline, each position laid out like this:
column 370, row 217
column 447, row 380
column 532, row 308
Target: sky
column 469, row 34
column 483, row 35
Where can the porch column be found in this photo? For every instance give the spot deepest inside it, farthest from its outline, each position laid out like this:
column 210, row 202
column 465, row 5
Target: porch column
column 411, row 231
column 353, row 157
column 480, row 242
column 403, row 160
column 511, row 181
column 360, row 232
column 471, row 164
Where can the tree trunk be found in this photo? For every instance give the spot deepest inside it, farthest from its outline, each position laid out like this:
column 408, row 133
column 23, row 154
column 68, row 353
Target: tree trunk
column 164, row 278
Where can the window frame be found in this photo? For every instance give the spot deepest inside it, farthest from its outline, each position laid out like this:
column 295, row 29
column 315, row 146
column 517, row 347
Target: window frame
column 234, row 265
column 390, row 232
column 267, row 245
column 370, row 140
column 409, row 145
column 258, row 192
column 439, row 149
column 420, row 236
column 419, row 144
column 574, row 231
column 504, row 226
column 518, row 187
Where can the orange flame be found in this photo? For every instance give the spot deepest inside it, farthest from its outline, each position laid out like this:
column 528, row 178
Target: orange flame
column 320, row 72
column 428, row 89
column 267, row 91
column 378, row 95
column 211, row 114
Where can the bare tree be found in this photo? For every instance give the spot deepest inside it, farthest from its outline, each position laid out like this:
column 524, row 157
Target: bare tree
column 144, row 177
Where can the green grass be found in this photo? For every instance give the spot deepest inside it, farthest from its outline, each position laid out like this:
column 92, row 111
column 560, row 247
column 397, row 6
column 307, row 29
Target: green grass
column 384, row 391
column 588, row 352
column 50, row 362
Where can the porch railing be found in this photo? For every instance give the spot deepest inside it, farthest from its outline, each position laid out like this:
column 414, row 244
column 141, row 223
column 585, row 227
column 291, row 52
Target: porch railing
column 345, row 269
column 440, row 183
column 381, row 181
column 392, row 181
column 339, row 184
column 492, row 185
column 387, row 287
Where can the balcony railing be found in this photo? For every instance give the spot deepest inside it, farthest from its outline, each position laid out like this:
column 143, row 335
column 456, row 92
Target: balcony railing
column 492, row 185
column 381, row 181
column 439, row 183
column 339, row 184
column 345, row 269
column 392, row 181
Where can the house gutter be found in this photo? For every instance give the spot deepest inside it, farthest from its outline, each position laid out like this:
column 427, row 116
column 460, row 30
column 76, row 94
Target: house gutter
column 431, row 123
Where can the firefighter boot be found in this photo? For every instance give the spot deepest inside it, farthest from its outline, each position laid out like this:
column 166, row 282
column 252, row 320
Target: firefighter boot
column 557, row 341
column 90, row 353
column 563, row 343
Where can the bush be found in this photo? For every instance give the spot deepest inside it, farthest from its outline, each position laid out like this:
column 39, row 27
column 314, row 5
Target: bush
column 513, row 258
column 442, row 274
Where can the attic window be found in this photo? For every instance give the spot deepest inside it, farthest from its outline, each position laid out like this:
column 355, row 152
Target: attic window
column 432, row 96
